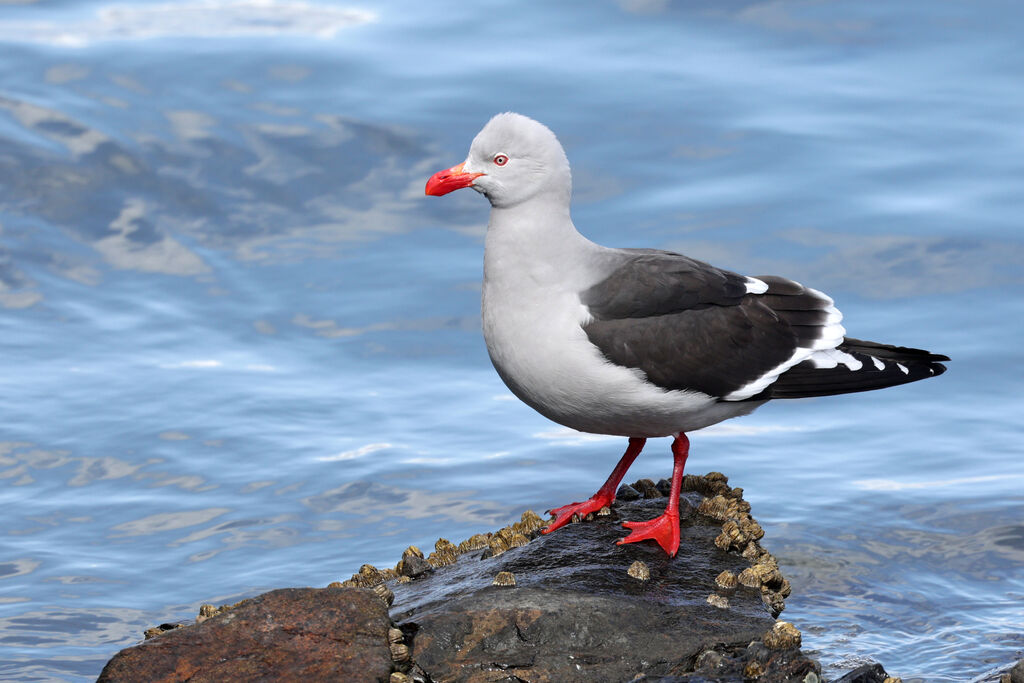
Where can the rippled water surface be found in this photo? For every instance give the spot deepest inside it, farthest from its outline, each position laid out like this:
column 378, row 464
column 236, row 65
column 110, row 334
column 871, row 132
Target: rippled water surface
column 241, row 350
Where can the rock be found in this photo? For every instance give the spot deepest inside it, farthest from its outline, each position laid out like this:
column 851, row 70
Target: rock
column 287, row 634
column 516, row 605
column 1017, row 672
column 648, row 489
column 627, row 493
column 575, row 614
column 866, row 673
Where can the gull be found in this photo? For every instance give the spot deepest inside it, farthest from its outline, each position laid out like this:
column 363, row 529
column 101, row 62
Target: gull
column 641, row 343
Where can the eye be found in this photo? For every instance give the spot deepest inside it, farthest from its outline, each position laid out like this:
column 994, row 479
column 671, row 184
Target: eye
column 500, row 159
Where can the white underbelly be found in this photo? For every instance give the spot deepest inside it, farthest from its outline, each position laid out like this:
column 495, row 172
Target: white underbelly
column 539, row 348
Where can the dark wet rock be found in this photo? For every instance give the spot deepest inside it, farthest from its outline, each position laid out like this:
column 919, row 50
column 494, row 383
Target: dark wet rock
column 575, row 613
column 866, row 673
column 627, row 493
column 730, row 663
column 288, row 634
column 413, row 566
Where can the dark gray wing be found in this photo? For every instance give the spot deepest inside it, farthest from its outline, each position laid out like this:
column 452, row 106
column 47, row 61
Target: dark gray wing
column 689, row 325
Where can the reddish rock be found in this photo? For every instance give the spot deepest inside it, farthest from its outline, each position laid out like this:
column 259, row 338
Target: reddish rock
column 293, row 634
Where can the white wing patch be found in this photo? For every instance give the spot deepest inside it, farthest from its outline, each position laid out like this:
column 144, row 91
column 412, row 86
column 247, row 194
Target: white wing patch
column 831, row 358
column 822, row 350
column 879, row 365
column 755, row 286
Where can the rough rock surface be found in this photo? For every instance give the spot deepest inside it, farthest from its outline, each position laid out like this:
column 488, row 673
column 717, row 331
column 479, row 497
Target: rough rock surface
column 292, row 634
column 517, row 606
column 1014, row 675
column 865, row 673
column 575, row 614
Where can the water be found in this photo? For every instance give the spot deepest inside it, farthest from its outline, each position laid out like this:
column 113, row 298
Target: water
column 242, row 351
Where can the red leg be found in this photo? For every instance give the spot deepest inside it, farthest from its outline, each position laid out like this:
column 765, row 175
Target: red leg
column 665, row 529
column 604, row 496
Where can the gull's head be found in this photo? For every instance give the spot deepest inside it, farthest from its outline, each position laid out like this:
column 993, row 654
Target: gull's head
column 513, row 159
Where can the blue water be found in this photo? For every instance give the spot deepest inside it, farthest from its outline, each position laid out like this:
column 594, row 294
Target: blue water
column 241, row 350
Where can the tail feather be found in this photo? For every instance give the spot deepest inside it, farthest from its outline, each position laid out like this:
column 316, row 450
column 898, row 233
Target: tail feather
column 880, row 366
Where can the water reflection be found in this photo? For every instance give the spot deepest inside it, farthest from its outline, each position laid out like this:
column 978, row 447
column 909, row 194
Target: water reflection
column 216, row 19
column 22, row 463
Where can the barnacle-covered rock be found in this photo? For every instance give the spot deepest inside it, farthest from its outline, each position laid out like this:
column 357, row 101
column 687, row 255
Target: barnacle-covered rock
column 532, row 521
column 399, row 652
column 504, row 579
column 517, row 541
column 474, row 542
column 726, row 579
column 731, row 537
column 443, row 545
column 498, row 545
column 160, row 630
column 207, row 611
column 719, row 601
column 764, row 573
column 752, row 552
column 751, row 528
column 774, row 602
column 639, row 571
column 384, row 593
column 782, row 636
column 718, row 507
column 647, row 488
column 442, row 558
column 367, row 576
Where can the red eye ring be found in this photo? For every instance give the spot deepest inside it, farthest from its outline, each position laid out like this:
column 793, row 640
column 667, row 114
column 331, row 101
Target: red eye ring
column 500, row 159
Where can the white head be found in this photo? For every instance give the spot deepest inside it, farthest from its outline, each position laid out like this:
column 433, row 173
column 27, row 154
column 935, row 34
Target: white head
column 512, row 160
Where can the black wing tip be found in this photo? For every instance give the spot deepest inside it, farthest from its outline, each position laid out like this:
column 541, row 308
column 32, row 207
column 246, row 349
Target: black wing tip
column 806, row 381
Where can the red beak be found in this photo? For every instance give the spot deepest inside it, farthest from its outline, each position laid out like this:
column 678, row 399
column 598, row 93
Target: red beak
column 449, row 180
